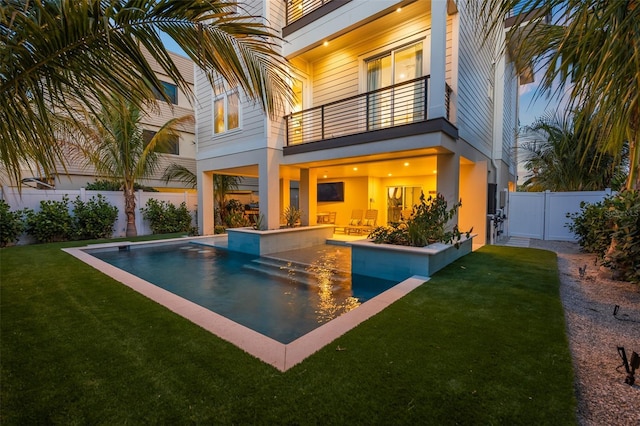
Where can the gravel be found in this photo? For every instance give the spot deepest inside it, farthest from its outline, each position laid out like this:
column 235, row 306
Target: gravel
column 594, row 334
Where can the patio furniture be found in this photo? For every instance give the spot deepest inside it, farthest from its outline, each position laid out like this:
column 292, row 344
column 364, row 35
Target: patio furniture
column 355, row 220
column 367, row 225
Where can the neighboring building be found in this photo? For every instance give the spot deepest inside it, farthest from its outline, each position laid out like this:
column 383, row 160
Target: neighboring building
column 394, row 98
column 182, row 152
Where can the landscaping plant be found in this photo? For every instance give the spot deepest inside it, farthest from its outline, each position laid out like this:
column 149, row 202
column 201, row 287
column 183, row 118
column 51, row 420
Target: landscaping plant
column 11, row 225
column 94, row 219
column 292, row 216
column 426, row 225
column 52, row 222
column 164, row 217
column 611, row 230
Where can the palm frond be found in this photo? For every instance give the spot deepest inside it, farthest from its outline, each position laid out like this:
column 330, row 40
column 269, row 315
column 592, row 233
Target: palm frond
column 57, row 53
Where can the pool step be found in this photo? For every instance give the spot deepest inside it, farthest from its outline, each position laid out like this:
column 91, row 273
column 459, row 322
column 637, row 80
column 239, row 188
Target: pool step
column 298, row 272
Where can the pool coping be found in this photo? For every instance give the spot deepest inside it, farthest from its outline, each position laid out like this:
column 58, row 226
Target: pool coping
column 279, row 355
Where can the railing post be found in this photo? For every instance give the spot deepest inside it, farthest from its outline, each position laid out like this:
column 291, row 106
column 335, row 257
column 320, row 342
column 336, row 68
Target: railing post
column 322, row 122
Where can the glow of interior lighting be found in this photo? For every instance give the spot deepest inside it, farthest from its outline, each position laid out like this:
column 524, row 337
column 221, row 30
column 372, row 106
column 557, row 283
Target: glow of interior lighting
column 435, row 172
column 355, row 169
column 389, row 174
column 324, row 176
column 399, row 9
column 406, row 164
column 326, row 43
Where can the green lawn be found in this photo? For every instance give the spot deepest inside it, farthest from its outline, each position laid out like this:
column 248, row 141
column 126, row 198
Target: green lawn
column 483, row 342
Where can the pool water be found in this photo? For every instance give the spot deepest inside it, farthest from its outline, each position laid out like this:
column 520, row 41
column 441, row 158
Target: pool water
column 275, row 297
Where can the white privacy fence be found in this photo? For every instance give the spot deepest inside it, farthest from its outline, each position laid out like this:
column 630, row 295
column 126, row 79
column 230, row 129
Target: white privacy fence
column 543, row 215
column 31, row 198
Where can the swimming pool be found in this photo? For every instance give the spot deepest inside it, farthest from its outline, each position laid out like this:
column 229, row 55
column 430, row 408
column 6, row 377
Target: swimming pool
column 281, row 299
column 280, row 355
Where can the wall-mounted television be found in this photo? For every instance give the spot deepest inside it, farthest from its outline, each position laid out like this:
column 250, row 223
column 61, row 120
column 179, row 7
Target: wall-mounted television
column 331, row 191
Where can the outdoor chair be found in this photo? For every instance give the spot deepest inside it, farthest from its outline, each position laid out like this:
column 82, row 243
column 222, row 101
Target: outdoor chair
column 367, row 225
column 356, row 220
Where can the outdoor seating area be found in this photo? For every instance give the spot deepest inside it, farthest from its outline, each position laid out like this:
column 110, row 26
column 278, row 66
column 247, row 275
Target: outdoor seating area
column 364, row 226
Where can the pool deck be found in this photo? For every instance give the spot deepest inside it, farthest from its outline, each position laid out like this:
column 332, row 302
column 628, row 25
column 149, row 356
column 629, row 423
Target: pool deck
column 281, row 356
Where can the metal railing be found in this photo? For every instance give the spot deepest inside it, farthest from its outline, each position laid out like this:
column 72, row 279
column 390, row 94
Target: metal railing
column 392, row 106
column 296, row 9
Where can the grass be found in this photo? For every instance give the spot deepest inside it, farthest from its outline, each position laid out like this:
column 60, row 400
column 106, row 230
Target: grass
column 482, row 343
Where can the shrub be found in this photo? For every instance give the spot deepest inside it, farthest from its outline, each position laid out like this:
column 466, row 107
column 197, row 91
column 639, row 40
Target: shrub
column 110, row 185
column 165, row 217
column 235, row 214
column 426, row 225
column 52, row 223
column 292, row 216
column 611, row 230
column 94, row 219
column 11, row 225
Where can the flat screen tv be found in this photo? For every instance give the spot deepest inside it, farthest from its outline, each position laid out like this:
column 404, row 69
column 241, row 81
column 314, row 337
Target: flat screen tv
column 331, row 191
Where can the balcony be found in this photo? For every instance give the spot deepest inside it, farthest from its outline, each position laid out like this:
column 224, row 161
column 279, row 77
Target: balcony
column 302, row 12
column 390, row 107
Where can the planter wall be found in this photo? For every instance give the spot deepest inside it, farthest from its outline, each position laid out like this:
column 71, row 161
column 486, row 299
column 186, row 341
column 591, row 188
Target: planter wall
column 251, row 241
column 398, row 263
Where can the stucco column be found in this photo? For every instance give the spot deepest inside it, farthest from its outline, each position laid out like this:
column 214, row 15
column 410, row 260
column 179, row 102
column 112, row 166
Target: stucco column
column 308, row 196
column 205, row 203
column 448, row 178
column 285, row 193
column 269, row 188
column 438, row 60
column 473, row 192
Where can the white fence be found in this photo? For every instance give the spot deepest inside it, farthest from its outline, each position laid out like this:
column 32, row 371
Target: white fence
column 543, row 215
column 31, row 198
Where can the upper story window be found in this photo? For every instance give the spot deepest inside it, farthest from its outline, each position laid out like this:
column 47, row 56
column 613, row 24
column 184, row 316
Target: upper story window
column 394, row 67
column 170, row 90
column 226, row 107
column 172, row 146
column 404, row 102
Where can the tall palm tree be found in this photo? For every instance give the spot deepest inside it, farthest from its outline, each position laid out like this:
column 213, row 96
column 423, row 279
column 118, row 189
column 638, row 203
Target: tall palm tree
column 57, row 53
column 591, row 47
column 559, row 158
column 112, row 141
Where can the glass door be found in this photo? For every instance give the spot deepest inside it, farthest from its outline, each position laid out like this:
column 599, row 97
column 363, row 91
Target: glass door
column 386, row 108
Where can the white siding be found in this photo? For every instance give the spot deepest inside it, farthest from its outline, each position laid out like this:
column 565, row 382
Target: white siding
column 510, row 115
column 474, row 105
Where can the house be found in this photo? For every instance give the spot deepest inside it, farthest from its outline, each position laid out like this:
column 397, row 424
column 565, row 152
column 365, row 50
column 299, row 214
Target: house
column 393, row 99
column 182, row 150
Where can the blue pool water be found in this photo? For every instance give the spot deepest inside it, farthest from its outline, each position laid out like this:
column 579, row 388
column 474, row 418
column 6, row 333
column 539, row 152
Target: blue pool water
column 282, row 300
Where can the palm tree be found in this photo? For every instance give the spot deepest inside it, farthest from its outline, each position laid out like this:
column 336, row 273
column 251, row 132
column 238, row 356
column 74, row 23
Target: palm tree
column 591, row 48
column 559, row 158
column 175, row 171
column 58, row 53
column 112, row 141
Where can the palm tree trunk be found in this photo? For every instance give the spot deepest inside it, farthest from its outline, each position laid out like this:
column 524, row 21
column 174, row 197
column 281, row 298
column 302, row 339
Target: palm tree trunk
column 633, row 182
column 130, row 211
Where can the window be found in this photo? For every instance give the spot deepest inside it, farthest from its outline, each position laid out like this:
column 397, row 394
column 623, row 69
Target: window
column 170, row 90
column 403, row 104
column 170, row 146
column 226, row 111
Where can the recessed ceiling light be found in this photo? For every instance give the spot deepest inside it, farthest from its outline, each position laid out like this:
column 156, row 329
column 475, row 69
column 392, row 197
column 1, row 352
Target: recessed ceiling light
column 326, row 43
column 406, row 164
column 355, row 169
column 435, row 171
column 325, row 176
column 389, row 174
column 399, row 9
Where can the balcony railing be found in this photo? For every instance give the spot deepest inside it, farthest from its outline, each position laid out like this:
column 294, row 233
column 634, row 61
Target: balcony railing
column 296, row 9
column 392, row 106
